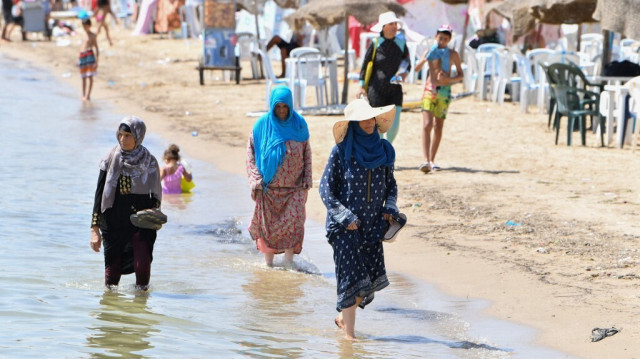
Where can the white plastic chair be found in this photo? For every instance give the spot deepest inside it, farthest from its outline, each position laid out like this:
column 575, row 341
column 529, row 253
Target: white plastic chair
column 633, row 86
column 487, row 69
column 299, row 90
column 528, row 86
column 247, row 49
column 470, row 70
column 299, row 51
column 539, row 57
column 309, row 71
column 418, row 50
column 504, row 76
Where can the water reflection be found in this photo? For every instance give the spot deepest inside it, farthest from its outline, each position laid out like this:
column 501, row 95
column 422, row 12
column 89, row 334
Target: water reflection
column 125, row 325
column 179, row 201
column 273, row 290
column 273, row 314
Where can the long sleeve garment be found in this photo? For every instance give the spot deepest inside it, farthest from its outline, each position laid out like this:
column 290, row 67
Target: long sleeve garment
column 279, row 214
column 389, row 56
column 362, row 196
column 115, row 225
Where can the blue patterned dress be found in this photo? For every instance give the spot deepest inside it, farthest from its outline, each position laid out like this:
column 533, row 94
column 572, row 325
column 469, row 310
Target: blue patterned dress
column 360, row 195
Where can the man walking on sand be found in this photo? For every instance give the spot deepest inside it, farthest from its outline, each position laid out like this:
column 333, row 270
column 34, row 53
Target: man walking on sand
column 437, row 93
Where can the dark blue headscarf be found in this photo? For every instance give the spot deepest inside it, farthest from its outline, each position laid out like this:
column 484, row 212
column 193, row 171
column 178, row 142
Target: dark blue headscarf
column 369, row 150
column 270, row 133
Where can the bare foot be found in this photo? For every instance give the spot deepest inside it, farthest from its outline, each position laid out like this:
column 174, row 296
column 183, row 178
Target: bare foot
column 349, row 337
column 84, row 98
column 339, row 322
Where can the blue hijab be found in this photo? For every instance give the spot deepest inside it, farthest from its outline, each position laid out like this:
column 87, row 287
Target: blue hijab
column 270, row 133
column 369, row 150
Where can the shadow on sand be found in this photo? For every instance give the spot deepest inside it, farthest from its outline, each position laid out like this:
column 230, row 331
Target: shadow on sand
column 459, row 169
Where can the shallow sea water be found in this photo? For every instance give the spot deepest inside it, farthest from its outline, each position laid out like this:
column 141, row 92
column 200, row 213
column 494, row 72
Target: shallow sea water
column 211, row 295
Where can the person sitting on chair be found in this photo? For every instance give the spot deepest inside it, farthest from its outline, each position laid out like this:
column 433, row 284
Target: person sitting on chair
column 285, row 47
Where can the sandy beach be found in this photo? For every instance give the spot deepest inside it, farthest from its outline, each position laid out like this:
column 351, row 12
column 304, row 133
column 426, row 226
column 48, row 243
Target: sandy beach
column 570, row 261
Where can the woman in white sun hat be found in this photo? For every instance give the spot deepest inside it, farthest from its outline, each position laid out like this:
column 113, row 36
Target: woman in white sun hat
column 391, row 59
column 359, row 190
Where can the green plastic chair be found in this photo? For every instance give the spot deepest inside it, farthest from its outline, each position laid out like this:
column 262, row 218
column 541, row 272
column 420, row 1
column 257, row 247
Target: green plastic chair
column 571, row 75
column 569, row 102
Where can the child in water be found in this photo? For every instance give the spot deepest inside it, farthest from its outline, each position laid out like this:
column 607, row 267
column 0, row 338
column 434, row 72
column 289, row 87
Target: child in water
column 173, row 171
column 88, row 60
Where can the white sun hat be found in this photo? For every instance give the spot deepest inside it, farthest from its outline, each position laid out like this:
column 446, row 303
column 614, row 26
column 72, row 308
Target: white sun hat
column 360, row 110
column 384, row 19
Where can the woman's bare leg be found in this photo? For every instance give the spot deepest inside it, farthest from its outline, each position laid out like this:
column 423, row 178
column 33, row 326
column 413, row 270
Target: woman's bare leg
column 348, row 320
column 288, row 257
column 268, row 258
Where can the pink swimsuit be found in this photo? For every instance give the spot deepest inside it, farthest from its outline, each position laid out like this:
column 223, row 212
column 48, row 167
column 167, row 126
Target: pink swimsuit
column 171, row 183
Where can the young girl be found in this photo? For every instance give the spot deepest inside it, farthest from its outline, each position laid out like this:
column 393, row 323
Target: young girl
column 173, row 171
column 104, row 9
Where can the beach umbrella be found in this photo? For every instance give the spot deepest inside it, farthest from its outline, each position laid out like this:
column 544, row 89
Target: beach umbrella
column 255, row 6
column 325, row 13
column 621, row 16
column 523, row 14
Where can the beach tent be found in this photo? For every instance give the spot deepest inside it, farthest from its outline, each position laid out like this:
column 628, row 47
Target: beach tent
column 324, row 13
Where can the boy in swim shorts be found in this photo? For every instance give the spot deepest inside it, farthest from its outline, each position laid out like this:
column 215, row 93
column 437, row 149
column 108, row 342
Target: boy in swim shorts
column 88, row 60
column 437, row 93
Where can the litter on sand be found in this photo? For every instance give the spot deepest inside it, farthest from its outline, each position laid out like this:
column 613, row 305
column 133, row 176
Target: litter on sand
column 598, row 334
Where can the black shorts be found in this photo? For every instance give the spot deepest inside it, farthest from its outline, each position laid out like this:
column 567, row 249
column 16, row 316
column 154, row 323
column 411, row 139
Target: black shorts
column 288, row 45
column 6, row 11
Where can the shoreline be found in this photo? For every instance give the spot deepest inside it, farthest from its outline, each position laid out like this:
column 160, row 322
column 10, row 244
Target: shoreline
column 456, row 238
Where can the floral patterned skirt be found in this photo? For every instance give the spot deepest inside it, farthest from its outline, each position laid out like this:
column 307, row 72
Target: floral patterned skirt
column 278, row 220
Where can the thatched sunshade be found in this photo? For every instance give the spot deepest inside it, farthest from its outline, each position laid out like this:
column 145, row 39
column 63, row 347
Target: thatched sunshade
column 325, row 13
column 563, row 11
column 523, row 14
column 455, row 2
column 621, row 16
column 252, row 5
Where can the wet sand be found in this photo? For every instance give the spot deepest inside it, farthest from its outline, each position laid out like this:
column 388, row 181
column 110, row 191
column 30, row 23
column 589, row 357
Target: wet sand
column 568, row 265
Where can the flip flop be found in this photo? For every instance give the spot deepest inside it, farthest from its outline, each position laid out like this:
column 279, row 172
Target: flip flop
column 395, row 225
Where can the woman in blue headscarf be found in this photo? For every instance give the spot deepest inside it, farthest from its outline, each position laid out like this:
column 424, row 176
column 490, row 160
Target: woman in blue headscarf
column 359, row 190
column 279, row 169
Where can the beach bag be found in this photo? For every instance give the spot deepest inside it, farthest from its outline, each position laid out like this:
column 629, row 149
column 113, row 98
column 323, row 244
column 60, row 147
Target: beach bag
column 151, row 218
column 369, row 71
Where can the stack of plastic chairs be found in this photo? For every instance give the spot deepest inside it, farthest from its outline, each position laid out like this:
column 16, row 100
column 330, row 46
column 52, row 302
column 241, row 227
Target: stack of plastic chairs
column 528, row 86
column 271, row 80
column 309, row 71
column 504, row 78
column 487, row 67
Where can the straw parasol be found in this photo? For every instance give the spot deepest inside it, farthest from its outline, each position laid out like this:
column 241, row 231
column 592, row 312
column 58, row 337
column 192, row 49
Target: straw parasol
column 455, row 2
column 619, row 16
column 324, row 13
column 523, row 14
column 254, row 6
